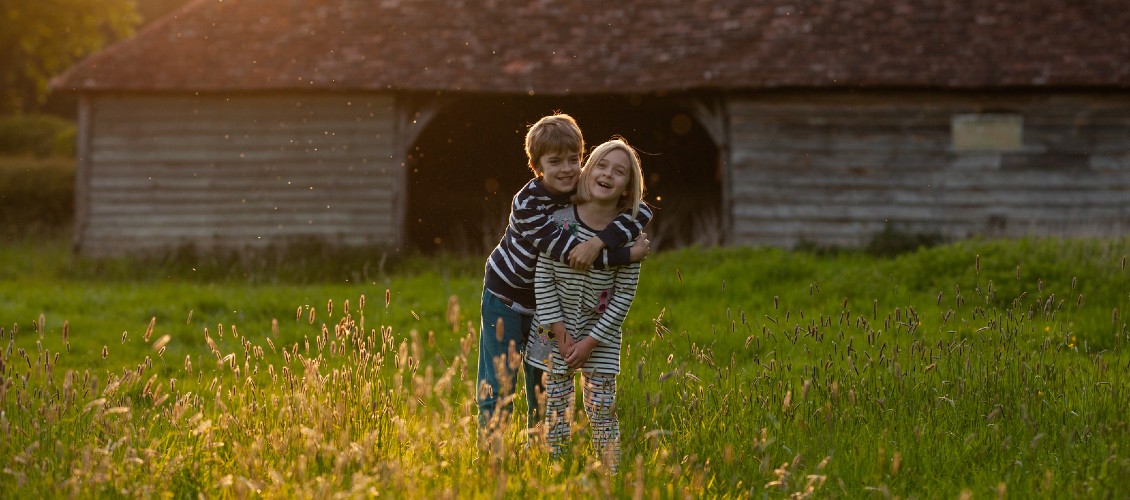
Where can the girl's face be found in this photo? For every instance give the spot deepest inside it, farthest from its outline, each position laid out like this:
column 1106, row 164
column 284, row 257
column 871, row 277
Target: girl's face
column 560, row 170
column 609, row 178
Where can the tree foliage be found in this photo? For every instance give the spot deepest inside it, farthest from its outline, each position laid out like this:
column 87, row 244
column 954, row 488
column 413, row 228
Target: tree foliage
column 152, row 10
column 41, row 38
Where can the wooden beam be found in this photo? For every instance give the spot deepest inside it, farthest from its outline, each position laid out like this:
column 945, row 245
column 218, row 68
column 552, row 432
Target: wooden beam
column 711, row 114
column 413, row 114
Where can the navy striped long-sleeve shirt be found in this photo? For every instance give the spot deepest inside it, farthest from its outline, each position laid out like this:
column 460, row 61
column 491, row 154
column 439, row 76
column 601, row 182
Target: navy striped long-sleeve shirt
column 510, row 267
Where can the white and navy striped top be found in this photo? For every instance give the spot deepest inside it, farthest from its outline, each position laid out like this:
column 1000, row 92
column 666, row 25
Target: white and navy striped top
column 592, row 303
column 510, row 267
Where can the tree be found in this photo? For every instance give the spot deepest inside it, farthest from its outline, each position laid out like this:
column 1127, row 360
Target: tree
column 42, row 38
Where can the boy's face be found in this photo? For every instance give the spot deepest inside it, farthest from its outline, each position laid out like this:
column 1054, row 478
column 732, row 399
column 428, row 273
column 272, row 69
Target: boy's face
column 560, row 170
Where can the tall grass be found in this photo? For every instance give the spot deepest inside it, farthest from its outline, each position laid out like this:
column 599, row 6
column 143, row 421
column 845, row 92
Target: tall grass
column 980, row 368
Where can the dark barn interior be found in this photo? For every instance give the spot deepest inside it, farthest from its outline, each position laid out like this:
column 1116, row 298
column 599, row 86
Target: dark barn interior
column 468, row 162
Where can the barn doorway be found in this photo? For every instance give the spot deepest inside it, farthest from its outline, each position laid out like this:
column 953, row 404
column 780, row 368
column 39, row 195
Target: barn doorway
column 467, row 163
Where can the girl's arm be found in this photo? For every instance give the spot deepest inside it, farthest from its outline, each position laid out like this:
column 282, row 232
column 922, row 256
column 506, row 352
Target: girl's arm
column 548, row 304
column 607, row 328
column 549, row 310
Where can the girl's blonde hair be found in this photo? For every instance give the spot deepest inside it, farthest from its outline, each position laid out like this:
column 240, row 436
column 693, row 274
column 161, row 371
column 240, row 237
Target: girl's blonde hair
column 635, row 189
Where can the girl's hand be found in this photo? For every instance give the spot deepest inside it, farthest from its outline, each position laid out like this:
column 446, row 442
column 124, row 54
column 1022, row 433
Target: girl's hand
column 580, row 353
column 565, row 343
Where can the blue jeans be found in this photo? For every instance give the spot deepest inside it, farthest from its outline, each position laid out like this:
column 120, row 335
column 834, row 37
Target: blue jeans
column 494, row 386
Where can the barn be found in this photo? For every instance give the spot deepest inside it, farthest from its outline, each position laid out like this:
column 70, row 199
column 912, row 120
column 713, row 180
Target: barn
column 235, row 124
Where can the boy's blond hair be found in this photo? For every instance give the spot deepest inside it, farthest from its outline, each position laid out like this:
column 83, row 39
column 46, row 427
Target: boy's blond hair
column 633, row 192
column 556, row 133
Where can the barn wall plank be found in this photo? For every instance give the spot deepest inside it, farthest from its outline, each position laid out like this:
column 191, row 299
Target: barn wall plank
column 836, row 169
column 229, row 171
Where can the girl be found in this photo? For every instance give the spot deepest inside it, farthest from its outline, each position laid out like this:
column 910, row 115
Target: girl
column 578, row 316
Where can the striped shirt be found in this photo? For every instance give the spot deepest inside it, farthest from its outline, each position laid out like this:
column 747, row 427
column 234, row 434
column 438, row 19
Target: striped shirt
column 510, row 267
column 592, row 303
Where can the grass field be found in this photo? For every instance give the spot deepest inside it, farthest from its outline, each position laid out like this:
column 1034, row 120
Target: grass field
column 978, row 369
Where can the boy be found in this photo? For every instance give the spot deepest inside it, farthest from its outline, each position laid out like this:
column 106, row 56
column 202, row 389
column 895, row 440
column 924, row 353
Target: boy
column 553, row 147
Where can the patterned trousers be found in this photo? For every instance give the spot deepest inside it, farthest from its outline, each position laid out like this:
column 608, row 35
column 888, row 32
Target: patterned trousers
column 600, row 405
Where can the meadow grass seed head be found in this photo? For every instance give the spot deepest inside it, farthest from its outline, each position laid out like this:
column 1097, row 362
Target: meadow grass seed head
column 105, row 351
column 149, row 329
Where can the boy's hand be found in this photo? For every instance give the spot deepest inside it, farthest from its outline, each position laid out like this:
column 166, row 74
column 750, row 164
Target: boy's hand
column 581, row 257
column 580, row 352
column 640, row 249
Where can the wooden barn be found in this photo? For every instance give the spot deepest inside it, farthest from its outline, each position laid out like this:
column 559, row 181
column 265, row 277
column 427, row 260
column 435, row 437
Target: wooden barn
column 249, row 123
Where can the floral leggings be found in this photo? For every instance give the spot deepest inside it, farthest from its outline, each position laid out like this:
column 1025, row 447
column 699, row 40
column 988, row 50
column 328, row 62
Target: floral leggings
column 600, row 405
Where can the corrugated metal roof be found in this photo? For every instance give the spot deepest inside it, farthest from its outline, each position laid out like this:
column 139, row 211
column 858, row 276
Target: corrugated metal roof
column 599, row 46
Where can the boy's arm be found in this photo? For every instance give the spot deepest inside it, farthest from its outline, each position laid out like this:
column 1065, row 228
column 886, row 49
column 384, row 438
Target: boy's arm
column 530, row 217
column 583, row 256
column 622, row 230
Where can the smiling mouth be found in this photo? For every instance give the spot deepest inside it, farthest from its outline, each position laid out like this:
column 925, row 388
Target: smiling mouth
column 604, row 185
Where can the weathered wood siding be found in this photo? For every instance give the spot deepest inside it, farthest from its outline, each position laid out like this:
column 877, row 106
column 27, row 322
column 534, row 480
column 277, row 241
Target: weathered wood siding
column 159, row 172
column 835, row 169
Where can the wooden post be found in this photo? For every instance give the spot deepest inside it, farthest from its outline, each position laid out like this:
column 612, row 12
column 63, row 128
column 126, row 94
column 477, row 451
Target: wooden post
column 82, row 170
